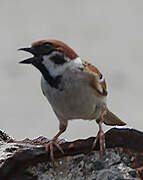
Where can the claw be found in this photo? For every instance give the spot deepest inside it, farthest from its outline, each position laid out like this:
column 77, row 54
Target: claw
column 59, row 147
column 50, row 147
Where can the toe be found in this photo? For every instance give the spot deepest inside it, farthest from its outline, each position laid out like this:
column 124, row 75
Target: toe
column 50, row 147
column 59, row 147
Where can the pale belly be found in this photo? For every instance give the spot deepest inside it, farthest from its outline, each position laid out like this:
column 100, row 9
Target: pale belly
column 75, row 101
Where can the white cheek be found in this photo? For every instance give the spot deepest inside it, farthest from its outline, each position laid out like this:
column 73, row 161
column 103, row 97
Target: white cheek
column 56, row 69
column 47, row 62
column 49, row 65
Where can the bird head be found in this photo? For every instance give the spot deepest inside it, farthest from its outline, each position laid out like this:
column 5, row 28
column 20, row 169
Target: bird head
column 49, row 55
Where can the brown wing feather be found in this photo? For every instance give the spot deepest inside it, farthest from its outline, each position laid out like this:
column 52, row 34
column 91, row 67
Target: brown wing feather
column 97, row 83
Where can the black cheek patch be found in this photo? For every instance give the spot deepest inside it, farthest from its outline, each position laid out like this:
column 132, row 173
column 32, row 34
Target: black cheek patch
column 58, row 59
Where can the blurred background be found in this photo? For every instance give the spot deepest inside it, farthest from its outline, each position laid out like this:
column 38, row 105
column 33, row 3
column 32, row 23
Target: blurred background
column 107, row 33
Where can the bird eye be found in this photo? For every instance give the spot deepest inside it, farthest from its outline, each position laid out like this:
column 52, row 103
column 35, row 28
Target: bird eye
column 47, row 44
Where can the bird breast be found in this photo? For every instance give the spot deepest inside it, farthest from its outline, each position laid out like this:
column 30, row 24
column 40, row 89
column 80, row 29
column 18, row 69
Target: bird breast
column 75, row 98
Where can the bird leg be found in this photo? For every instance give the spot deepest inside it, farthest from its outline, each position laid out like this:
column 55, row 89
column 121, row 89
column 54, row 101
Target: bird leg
column 54, row 142
column 100, row 136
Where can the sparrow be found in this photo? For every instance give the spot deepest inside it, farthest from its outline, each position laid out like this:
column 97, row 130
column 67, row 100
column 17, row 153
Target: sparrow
column 75, row 88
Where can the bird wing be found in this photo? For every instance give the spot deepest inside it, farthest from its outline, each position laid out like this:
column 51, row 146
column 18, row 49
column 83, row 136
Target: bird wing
column 98, row 81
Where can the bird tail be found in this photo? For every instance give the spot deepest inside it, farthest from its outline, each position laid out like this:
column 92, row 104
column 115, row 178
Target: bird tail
column 112, row 120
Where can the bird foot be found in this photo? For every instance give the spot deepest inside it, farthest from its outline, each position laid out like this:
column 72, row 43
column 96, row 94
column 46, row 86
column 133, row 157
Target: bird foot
column 50, row 147
column 100, row 136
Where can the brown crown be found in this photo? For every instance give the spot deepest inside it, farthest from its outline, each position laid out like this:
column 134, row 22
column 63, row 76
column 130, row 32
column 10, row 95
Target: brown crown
column 60, row 46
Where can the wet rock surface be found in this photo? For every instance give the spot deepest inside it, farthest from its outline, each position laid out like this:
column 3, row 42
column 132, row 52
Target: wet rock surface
column 28, row 160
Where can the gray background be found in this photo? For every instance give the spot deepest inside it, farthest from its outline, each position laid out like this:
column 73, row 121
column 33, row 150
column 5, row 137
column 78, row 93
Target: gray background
column 107, row 33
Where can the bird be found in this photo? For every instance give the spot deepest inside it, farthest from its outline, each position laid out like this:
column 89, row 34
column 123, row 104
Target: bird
column 75, row 88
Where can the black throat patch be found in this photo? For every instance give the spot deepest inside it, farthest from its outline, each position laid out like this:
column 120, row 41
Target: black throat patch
column 53, row 81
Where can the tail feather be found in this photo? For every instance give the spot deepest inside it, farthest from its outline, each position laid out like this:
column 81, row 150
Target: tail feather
column 112, row 120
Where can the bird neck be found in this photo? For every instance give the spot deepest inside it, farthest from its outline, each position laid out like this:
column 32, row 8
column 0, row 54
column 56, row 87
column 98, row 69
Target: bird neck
column 56, row 69
column 52, row 81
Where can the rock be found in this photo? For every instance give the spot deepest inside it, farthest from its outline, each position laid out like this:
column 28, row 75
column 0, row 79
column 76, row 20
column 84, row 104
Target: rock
column 28, row 160
column 84, row 166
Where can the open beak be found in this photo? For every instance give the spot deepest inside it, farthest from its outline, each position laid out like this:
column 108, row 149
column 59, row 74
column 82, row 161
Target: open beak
column 29, row 60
